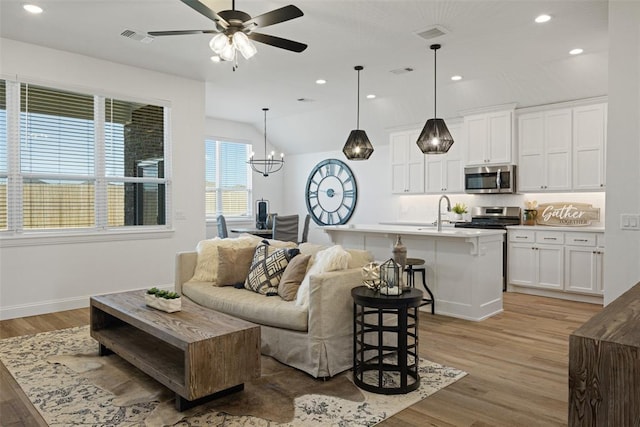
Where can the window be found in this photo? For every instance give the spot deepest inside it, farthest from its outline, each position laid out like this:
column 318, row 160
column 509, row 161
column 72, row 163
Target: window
column 83, row 161
column 228, row 179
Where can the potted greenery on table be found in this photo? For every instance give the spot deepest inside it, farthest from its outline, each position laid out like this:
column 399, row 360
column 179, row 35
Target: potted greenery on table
column 163, row 300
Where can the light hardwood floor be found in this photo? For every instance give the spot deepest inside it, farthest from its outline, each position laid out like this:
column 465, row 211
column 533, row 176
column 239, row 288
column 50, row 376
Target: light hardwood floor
column 516, row 362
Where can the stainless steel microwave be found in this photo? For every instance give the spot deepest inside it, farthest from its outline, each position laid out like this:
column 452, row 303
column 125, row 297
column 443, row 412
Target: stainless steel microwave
column 490, row 179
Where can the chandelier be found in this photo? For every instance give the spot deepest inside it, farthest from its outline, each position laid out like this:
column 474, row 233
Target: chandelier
column 268, row 164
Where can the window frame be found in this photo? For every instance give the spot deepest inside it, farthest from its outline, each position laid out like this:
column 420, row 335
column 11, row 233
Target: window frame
column 212, row 218
column 16, row 235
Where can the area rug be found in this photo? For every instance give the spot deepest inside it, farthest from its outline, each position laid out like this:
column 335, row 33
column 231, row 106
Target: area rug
column 70, row 385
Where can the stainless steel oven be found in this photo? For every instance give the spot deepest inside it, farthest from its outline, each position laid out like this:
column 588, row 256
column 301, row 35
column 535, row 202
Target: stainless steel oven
column 495, row 217
column 490, row 179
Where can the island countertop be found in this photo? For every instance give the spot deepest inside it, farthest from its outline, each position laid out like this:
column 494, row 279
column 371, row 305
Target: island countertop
column 447, row 231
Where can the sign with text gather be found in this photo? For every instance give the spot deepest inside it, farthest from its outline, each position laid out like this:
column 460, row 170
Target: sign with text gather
column 567, row 214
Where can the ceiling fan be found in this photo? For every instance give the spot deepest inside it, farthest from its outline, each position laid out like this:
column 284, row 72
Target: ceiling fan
column 234, row 30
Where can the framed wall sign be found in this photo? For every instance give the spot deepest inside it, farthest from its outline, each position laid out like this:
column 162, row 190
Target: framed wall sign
column 567, row 214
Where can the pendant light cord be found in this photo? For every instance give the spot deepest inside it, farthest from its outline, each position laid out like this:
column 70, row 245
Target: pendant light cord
column 265, row 131
column 435, row 114
column 358, row 117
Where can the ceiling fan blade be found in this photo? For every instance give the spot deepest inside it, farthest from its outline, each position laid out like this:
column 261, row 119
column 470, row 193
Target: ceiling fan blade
column 277, row 42
column 180, row 32
column 274, row 17
column 204, row 10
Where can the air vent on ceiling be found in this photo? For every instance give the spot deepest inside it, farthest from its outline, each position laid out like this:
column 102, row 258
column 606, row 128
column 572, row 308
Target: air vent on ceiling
column 401, row 70
column 142, row 38
column 432, row 32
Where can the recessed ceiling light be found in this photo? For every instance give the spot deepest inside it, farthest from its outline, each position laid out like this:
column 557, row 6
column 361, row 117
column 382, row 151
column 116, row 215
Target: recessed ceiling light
column 321, row 81
column 576, row 51
column 542, row 18
column 32, row 8
column 456, row 78
column 371, row 96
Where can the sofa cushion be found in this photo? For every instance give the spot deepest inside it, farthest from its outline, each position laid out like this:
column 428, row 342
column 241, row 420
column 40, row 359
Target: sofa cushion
column 292, row 277
column 331, row 259
column 266, row 269
column 208, row 264
column 248, row 305
column 359, row 257
column 233, row 264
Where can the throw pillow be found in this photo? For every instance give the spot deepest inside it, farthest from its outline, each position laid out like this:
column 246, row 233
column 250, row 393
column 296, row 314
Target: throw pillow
column 266, row 269
column 330, row 259
column 233, row 265
column 207, row 265
column 292, row 277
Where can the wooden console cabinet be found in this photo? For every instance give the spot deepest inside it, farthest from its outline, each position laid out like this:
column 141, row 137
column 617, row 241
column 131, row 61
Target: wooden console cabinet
column 604, row 366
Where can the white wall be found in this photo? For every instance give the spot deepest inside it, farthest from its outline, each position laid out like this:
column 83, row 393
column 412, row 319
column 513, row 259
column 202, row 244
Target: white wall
column 622, row 256
column 54, row 275
column 268, row 188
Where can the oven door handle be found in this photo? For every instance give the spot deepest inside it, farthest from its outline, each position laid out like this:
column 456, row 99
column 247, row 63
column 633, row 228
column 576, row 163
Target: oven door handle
column 498, row 180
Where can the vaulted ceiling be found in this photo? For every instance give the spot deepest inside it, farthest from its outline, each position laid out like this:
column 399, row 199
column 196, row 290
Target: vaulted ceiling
column 503, row 56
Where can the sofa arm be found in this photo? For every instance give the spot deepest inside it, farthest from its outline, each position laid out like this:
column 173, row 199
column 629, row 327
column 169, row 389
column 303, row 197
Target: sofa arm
column 185, row 267
column 331, row 304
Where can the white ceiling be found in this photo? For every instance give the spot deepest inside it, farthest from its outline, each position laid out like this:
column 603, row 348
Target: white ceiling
column 503, row 55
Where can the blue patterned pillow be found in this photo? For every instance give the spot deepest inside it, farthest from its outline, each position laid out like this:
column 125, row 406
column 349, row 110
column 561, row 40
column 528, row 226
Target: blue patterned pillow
column 266, row 269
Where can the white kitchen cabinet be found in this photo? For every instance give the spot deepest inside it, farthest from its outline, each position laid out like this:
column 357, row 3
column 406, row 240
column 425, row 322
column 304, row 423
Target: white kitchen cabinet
column 545, row 140
column 535, row 264
column 556, row 263
column 589, row 146
column 444, row 172
column 489, row 138
column 584, row 264
column 407, row 163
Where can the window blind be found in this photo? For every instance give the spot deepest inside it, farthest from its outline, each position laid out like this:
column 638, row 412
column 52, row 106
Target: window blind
column 3, row 156
column 228, row 178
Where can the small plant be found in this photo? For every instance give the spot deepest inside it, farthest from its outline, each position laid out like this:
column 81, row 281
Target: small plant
column 459, row 208
column 162, row 294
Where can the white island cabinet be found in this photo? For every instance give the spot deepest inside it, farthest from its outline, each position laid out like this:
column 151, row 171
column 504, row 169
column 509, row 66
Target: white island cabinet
column 464, row 266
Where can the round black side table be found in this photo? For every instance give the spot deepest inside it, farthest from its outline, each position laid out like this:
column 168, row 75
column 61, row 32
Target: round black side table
column 375, row 315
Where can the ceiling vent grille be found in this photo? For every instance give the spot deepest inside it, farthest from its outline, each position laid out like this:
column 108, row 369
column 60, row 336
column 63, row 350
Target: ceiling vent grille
column 142, row 38
column 432, row 32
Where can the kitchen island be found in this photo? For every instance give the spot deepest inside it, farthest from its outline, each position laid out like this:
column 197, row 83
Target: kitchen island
column 464, row 266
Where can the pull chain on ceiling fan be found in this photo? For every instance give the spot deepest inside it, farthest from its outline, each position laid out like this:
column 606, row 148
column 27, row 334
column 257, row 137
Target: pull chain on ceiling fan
column 234, row 30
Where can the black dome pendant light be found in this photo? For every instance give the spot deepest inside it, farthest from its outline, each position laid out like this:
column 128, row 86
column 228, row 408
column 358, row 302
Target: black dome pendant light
column 358, row 146
column 435, row 137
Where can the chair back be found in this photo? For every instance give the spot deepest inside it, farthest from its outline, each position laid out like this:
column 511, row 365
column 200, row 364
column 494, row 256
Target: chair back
column 285, row 228
column 305, row 229
column 222, row 227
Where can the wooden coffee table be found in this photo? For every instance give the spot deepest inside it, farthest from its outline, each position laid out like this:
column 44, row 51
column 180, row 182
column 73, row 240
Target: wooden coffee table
column 197, row 353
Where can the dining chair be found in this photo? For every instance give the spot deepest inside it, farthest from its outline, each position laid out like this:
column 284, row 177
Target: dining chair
column 223, row 233
column 305, row 229
column 285, row 228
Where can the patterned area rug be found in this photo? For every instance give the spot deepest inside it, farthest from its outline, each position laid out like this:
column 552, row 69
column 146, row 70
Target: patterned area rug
column 69, row 384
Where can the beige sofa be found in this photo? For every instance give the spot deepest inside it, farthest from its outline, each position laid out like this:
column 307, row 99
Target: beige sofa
column 316, row 338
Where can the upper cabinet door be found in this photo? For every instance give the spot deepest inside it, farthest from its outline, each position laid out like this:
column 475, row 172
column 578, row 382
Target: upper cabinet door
column 589, row 143
column 489, row 137
column 407, row 163
column 444, row 172
column 545, row 150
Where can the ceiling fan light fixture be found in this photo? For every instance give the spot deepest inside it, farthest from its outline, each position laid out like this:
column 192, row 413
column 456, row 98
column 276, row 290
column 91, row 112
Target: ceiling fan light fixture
column 435, row 138
column 358, row 146
column 228, row 53
column 218, row 43
column 244, row 45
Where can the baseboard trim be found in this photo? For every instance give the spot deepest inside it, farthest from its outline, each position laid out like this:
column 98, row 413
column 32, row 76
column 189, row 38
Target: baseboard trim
column 52, row 306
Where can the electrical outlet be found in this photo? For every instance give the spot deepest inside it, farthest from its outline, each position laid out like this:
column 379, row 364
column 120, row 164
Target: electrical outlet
column 630, row 222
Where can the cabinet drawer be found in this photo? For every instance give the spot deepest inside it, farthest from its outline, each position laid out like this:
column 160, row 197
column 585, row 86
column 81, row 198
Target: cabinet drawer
column 522, row 236
column 581, row 239
column 550, row 237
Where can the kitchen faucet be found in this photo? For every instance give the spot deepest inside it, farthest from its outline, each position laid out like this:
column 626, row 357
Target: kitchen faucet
column 440, row 210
